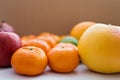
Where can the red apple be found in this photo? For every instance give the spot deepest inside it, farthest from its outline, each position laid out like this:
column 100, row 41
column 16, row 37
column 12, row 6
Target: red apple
column 9, row 43
column 6, row 27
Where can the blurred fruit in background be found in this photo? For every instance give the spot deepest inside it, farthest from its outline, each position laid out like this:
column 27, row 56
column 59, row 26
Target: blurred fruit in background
column 6, row 27
column 79, row 28
column 39, row 43
column 54, row 36
column 27, row 38
column 45, row 34
column 52, row 42
column 69, row 39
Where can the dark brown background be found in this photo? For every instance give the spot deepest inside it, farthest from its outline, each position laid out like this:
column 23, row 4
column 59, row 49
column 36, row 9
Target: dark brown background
column 57, row 16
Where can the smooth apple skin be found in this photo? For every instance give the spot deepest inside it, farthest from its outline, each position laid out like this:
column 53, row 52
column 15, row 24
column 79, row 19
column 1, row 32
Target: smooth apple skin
column 99, row 48
column 9, row 43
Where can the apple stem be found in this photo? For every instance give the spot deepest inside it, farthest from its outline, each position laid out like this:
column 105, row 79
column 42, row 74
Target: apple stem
column 0, row 25
column 3, row 21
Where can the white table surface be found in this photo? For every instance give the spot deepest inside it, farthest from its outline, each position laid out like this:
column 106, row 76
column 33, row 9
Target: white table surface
column 81, row 73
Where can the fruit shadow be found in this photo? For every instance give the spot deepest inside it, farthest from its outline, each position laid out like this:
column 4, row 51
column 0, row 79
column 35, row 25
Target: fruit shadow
column 51, row 72
column 91, row 74
column 4, row 68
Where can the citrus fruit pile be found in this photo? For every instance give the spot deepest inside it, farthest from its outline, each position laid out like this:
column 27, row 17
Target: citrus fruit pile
column 46, row 49
column 37, row 52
